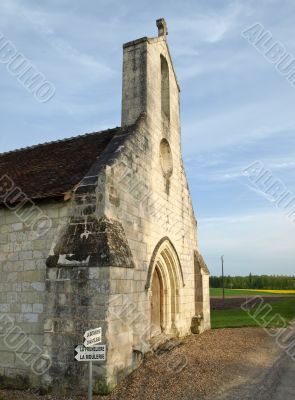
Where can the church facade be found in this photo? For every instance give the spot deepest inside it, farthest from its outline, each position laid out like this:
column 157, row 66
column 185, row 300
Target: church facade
column 99, row 231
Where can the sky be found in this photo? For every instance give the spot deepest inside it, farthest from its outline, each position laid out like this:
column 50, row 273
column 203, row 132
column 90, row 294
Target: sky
column 236, row 107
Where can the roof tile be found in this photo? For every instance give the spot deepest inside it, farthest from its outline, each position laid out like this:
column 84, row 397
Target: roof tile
column 52, row 169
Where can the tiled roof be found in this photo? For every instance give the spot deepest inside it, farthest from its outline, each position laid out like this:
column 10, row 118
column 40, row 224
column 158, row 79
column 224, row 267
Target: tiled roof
column 52, row 169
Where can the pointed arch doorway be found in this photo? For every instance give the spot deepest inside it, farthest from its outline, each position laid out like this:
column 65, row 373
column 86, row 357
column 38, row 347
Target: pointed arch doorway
column 164, row 283
column 156, row 304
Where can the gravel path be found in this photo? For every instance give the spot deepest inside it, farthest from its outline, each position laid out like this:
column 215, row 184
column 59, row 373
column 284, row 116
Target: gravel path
column 276, row 383
column 199, row 367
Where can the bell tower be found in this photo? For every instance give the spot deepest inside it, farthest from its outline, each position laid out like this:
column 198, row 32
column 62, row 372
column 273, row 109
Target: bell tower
column 149, row 82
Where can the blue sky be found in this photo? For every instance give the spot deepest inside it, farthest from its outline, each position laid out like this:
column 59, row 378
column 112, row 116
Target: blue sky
column 236, row 107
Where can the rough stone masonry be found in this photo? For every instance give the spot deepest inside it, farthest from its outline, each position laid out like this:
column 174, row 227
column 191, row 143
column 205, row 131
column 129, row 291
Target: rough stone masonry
column 117, row 247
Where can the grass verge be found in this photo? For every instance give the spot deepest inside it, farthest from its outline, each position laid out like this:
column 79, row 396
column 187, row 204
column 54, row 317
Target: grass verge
column 238, row 318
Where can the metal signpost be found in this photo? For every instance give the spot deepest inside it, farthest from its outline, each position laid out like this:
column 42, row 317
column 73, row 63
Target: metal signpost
column 90, row 389
column 89, row 351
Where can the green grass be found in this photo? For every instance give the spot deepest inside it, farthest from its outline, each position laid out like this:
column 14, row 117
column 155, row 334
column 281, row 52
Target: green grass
column 216, row 292
column 239, row 318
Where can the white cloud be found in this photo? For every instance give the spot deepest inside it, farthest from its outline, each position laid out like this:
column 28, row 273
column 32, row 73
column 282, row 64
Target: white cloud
column 258, row 243
column 221, row 171
column 49, row 27
column 210, row 27
column 241, row 124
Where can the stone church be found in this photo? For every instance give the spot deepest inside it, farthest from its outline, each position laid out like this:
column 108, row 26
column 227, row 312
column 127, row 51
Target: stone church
column 99, row 230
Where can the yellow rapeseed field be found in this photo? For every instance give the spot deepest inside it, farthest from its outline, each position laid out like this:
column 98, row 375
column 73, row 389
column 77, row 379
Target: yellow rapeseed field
column 269, row 291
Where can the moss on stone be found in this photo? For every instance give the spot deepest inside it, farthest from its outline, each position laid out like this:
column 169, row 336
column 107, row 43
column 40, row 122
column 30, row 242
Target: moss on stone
column 16, row 382
column 102, row 387
column 45, row 390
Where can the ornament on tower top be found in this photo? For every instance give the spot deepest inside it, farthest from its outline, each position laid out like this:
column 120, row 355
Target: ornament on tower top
column 162, row 27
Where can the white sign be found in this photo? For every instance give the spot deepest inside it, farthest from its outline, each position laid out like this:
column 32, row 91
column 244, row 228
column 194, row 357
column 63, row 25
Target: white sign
column 92, row 337
column 97, row 353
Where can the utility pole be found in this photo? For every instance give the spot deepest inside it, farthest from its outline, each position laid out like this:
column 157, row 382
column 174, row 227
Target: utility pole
column 222, row 277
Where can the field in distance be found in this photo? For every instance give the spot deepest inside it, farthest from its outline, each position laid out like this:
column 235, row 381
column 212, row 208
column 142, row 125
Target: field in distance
column 229, row 313
column 217, row 292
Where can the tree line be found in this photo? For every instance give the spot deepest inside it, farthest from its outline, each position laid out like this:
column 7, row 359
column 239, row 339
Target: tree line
column 279, row 282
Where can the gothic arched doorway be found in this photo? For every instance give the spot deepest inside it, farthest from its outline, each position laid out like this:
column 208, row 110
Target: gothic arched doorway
column 164, row 284
column 156, row 304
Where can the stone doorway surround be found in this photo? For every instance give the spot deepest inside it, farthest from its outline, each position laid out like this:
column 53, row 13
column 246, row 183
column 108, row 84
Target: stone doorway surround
column 164, row 284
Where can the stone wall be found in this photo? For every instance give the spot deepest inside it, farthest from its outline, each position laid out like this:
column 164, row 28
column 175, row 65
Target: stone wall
column 23, row 257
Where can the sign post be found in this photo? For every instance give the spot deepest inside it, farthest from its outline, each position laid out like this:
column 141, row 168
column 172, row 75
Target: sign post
column 92, row 337
column 89, row 351
column 90, row 390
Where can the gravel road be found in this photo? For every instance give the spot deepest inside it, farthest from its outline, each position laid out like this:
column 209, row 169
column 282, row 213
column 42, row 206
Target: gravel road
column 200, row 366
column 276, row 383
